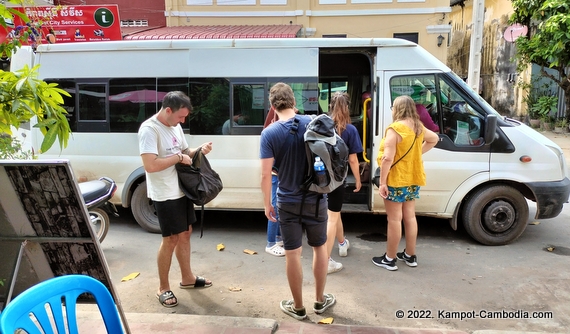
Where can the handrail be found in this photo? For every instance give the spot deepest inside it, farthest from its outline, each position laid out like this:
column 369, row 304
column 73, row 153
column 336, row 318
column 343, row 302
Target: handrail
column 364, row 127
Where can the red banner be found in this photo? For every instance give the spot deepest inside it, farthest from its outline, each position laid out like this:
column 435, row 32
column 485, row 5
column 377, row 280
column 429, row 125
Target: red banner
column 67, row 24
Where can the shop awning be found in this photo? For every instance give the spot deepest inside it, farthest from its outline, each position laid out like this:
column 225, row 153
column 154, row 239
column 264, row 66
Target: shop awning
column 217, row 32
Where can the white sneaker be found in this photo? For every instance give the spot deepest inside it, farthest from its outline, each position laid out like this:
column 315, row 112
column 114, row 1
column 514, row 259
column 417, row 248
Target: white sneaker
column 334, row 266
column 343, row 250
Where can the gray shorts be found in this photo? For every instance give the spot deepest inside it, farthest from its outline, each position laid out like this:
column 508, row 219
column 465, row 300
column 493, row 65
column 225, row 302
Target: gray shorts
column 312, row 222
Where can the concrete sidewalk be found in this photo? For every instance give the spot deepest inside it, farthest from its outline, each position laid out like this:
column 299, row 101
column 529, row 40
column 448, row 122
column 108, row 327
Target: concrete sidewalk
column 154, row 323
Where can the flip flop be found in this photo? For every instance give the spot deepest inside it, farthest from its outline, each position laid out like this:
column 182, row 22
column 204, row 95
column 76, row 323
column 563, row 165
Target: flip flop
column 167, row 295
column 200, row 283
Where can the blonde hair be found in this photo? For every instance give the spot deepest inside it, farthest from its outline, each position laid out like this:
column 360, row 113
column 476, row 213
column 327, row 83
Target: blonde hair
column 339, row 111
column 404, row 107
column 281, row 96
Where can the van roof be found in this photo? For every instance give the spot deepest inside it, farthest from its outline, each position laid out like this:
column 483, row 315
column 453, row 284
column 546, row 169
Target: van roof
column 229, row 43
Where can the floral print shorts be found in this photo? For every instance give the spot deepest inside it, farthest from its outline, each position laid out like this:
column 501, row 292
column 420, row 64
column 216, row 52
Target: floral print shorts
column 403, row 194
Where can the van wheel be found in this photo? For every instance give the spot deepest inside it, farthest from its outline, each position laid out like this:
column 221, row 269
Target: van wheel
column 495, row 215
column 143, row 210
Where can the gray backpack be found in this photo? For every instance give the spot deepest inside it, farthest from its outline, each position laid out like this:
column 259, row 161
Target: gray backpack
column 322, row 140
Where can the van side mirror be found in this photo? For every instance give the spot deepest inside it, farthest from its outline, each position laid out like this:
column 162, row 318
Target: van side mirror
column 490, row 128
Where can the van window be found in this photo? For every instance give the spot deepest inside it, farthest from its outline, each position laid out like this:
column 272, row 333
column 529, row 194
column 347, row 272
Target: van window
column 210, row 102
column 306, row 91
column 327, row 89
column 450, row 112
column 422, row 89
column 131, row 101
column 462, row 119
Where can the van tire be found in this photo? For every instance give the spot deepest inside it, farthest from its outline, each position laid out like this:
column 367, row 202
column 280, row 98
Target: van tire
column 143, row 209
column 495, row 215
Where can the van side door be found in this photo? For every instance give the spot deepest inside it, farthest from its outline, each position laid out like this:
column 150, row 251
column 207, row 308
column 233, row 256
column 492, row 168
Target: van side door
column 461, row 158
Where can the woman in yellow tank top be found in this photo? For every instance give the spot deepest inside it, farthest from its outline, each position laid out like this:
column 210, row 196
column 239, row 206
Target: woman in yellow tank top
column 402, row 174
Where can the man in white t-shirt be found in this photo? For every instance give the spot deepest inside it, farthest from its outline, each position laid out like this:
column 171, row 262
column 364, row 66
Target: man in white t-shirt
column 162, row 145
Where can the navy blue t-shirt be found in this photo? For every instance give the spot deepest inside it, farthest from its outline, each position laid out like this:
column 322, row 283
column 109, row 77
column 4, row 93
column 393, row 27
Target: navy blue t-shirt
column 292, row 168
column 352, row 139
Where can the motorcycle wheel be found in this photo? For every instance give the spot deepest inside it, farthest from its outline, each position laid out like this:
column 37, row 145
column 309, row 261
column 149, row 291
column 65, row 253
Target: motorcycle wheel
column 99, row 222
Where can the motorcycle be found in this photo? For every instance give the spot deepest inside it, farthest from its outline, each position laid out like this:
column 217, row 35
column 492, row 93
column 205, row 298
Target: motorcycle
column 96, row 195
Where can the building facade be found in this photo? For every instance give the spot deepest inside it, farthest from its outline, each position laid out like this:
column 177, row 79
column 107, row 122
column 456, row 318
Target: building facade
column 421, row 21
column 499, row 77
column 135, row 15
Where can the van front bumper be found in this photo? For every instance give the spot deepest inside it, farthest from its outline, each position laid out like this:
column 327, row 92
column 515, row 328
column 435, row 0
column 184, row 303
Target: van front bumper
column 550, row 197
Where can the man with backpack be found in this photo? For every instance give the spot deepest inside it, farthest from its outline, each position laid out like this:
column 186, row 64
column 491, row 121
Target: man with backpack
column 298, row 209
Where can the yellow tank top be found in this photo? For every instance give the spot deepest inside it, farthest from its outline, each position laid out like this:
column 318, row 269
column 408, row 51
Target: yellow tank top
column 410, row 170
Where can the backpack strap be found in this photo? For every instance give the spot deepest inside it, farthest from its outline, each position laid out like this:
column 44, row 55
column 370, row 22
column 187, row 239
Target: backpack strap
column 287, row 144
column 202, row 221
column 308, row 180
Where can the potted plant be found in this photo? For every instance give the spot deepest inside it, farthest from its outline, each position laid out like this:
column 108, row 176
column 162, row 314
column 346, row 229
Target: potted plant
column 561, row 125
column 540, row 100
column 529, row 99
column 544, row 106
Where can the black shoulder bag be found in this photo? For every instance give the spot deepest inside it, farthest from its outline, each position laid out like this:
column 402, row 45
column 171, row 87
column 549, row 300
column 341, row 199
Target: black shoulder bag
column 199, row 182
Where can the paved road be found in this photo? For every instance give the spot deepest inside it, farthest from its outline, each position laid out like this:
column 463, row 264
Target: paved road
column 456, row 276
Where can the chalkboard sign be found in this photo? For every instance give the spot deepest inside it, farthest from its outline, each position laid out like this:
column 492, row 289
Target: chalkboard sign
column 44, row 228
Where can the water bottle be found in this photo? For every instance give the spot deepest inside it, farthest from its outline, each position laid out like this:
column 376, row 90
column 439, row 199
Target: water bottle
column 320, row 172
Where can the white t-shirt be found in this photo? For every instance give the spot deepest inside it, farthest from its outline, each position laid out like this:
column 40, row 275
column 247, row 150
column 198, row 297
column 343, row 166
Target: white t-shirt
column 226, row 127
column 157, row 138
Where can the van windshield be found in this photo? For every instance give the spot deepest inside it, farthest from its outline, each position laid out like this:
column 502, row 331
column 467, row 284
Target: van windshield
column 476, row 95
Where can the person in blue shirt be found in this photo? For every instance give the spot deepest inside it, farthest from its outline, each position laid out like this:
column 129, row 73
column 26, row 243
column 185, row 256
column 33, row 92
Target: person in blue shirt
column 295, row 215
column 274, row 241
column 340, row 113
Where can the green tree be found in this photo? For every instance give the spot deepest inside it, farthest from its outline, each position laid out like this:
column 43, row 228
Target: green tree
column 547, row 43
column 23, row 96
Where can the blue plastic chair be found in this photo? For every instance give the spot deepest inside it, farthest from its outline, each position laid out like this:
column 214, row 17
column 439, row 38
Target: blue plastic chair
column 61, row 294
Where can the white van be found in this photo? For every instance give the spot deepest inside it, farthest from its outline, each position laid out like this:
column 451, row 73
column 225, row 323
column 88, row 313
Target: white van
column 479, row 174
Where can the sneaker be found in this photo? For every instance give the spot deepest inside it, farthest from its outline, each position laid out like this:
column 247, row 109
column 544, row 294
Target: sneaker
column 382, row 262
column 288, row 306
column 343, row 249
column 411, row 260
column 334, row 266
column 320, row 307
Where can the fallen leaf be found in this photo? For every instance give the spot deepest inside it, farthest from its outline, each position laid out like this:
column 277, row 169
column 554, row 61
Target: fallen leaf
column 249, row 251
column 235, row 289
column 220, row 247
column 130, row 277
column 534, row 223
column 326, row 321
column 550, row 249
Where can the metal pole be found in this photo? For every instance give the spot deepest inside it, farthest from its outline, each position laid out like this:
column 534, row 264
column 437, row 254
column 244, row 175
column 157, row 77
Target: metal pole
column 476, row 46
column 15, row 272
